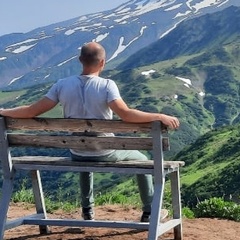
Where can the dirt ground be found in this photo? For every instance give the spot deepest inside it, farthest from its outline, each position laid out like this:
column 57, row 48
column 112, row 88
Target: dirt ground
column 195, row 229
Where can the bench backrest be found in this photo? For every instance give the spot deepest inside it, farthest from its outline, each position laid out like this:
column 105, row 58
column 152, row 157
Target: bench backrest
column 64, row 133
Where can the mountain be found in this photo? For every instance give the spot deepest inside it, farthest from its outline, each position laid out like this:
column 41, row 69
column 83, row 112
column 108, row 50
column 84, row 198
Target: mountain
column 48, row 53
column 190, row 37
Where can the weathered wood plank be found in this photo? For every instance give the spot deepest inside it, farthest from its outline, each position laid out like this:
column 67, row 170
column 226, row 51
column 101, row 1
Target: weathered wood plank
column 77, row 125
column 80, row 142
column 66, row 161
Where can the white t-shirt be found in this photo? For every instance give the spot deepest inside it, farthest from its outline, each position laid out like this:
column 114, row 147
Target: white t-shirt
column 85, row 96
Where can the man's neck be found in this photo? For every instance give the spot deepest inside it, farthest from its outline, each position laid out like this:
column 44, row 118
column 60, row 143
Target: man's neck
column 90, row 73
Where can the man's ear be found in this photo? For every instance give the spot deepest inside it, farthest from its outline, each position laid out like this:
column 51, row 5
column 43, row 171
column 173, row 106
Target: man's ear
column 102, row 63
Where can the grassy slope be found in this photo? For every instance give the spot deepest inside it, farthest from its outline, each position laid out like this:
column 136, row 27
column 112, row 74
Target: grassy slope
column 212, row 166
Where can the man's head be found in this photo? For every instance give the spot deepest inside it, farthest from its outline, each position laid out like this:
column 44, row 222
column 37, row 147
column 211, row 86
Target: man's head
column 92, row 56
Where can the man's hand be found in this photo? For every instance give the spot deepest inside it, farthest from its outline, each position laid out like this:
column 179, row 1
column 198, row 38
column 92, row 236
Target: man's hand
column 170, row 121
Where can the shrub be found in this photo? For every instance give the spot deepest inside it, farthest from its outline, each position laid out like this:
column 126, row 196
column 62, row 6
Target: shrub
column 24, row 194
column 218, row 208
column 109, row 198
column 187, row 213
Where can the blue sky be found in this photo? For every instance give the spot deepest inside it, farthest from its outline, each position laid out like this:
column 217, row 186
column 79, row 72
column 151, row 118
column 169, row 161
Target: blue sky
column 25, row 15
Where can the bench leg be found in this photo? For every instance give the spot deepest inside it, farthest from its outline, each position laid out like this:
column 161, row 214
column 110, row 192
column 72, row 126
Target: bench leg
column 176, row 203
column 7, row 189
column 39, row 198
column 156, row 210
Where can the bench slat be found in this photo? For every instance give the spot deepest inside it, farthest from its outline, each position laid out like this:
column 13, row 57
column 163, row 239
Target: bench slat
column 80, row 142
column 77, row 125
column 66, row 161
column 46, row 163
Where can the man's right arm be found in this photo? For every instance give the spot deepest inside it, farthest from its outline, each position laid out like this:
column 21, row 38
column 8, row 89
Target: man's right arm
column 29, row 111
column 127, row 114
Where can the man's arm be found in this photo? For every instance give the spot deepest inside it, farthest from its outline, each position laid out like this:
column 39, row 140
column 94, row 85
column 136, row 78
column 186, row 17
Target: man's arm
column 127, row 114
column 29, row 111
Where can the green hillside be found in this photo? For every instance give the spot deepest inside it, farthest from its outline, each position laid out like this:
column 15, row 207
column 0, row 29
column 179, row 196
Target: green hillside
column 212, row 166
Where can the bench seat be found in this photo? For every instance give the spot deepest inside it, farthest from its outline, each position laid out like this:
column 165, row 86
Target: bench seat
column 66, row 164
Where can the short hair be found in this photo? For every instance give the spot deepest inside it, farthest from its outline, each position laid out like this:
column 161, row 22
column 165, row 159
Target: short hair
column 92, row 54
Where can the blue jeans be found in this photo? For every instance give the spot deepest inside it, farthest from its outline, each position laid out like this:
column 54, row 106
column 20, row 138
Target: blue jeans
column 145, row 182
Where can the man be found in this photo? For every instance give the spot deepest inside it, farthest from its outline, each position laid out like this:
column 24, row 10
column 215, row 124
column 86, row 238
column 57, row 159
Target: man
column 93, row 97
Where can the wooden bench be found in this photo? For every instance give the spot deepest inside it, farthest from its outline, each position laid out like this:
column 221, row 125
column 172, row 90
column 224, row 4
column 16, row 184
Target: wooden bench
column 57, row 133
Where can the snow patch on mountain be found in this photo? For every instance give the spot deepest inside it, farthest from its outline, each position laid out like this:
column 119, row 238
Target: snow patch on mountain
column 147, row 73
column 124, row 10
column 46, row 76
column 100, row 37
column 188, row 84
column 66, row 61
column 140, row 8
column 69, row 32
column 182, row 14
column 86, row 28
column 169, row 30
column 223, row 3
column 14, row 80
column 121, row 47
column 186, row 80
column 173, row 7
column 121, row 19
column 204, row 4
column 23, row 42
column 21, row 48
